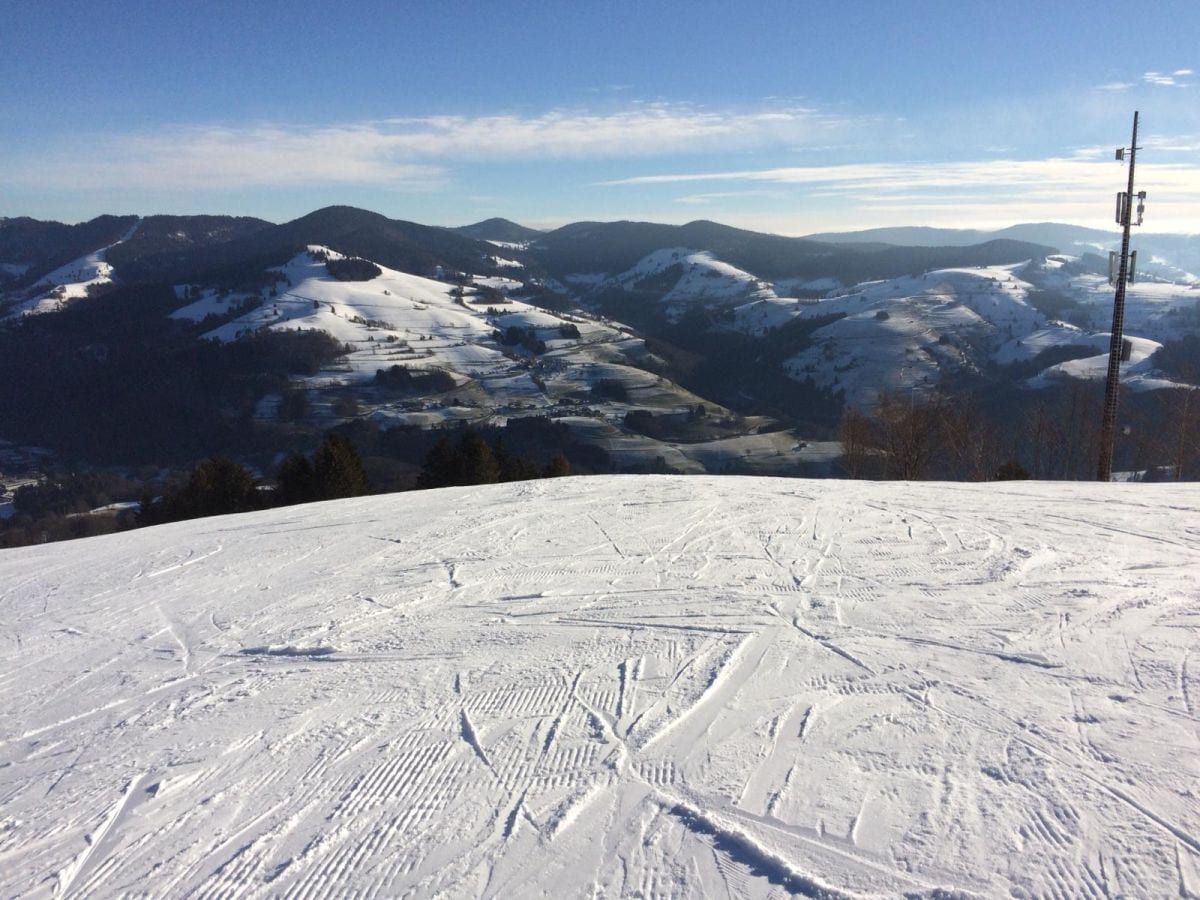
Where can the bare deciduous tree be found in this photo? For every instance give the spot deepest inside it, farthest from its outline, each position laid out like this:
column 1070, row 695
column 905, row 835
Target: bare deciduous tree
column 854, row 431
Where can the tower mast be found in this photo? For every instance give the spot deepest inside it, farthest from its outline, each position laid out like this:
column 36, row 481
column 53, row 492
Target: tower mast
column 1115, row 346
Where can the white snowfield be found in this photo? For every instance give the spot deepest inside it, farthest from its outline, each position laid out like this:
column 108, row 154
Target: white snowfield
column 614, row 686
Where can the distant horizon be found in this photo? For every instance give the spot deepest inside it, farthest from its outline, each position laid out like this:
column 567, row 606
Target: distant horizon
column 1113, row 229
column 775, row 118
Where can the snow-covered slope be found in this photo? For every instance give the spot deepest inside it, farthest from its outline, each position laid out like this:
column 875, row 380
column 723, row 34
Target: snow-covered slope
column 376, row 317
column 691, row 278
column 403, row 319
column 923, row 331
column 918, row 332
column 614, row 687
column 908, row 333
column 399, row 319
column 73, row 281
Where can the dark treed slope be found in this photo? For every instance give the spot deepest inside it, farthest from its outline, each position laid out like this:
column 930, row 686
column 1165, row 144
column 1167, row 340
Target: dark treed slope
column 406, row 246
column 616, row 246
column 225, row 249
column 160, row 243
column 44, row 246
column 497, row 229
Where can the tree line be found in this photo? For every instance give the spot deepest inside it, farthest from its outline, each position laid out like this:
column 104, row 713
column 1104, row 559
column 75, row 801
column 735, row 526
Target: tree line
column 1052, row 435
column 65, row 507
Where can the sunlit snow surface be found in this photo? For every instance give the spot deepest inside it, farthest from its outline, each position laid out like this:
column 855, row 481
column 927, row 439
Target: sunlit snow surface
column 618, row 686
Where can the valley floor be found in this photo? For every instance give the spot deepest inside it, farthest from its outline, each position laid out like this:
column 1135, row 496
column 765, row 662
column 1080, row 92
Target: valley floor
column 614, row 686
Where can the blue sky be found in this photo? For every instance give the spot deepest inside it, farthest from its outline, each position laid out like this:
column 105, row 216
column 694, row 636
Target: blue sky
column 791, row 117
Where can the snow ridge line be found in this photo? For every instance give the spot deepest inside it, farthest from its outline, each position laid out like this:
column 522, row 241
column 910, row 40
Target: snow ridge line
column 95, row 840
column 1028, row 659
column 719, row 677
column 1183, row 683
column 831, row 646
column 803, row 729
column 622, row 674
column 1150, row 814
column 468, row 735
column 741, row 846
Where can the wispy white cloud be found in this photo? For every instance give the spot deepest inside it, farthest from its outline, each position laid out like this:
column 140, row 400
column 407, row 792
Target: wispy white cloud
column 1177, row 78
column 410, row 153
column 1181, row 143
column 714, row 196
column 1067, row 172
column 215, row 158
column 643, row 130
column 1071, row 189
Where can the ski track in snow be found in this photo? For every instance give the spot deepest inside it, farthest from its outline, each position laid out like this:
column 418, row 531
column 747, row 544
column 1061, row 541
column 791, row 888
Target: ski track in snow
column 729, row 687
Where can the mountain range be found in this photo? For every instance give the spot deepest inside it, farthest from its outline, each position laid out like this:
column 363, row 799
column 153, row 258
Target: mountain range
column 620, row 331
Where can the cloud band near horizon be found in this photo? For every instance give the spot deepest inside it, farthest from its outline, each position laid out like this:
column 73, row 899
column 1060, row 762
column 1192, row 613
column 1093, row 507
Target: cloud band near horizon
column 432, row 155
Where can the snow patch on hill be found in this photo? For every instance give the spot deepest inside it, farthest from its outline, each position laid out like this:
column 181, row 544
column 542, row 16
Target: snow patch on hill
column 379, row 318
column 1137, row 373
column 76, row 280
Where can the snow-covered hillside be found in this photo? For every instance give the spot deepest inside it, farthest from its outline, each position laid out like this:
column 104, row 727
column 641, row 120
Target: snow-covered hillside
column 399, row 319
column 690, row 278
column 622, row 686
column 914, row 333
column 74, row 281
column 920, row 332
column 377, row 317
column 907, row 333
column 422, row 324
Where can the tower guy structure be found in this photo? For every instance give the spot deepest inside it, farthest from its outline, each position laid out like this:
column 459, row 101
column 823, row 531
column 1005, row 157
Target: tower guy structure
column 1118, row 347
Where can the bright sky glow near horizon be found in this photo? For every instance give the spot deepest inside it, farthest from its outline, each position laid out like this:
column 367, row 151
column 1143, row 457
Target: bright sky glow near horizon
column 780, row 116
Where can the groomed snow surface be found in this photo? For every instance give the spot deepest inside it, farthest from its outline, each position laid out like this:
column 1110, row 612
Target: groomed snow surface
column 614, row 686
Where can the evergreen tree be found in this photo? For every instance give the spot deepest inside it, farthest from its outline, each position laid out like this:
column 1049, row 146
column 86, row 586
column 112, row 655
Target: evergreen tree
column 297, row 481
column 479, row 464
column 443, row 466
column 1011, row 471
column 337, row 469
column 293, row 405
column 218, row 486
column 512, row 468
column 215, row 487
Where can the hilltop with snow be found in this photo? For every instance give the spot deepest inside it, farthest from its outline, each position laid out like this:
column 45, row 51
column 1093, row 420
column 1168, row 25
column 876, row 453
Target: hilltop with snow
column 620, row 686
